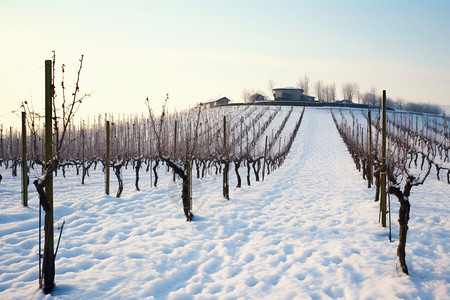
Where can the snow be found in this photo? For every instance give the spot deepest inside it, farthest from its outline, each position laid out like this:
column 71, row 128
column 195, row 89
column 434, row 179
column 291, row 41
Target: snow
column 446, row 109
column 309, row 231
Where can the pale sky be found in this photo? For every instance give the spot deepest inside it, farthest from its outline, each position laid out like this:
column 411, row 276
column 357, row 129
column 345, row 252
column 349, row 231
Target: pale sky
column 199, row 50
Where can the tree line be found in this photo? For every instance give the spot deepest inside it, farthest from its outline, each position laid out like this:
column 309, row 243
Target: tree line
column 327, row 92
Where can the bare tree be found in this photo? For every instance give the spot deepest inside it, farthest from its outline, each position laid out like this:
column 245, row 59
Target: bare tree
column 350, row 90
column 370, row 97
column 329, row 92
column 246, row 94
column 258, row 95
column 253, row 95
column 424, row 108
column 332, row 92
column 374, row 101
column 326, row 94
column 401, row 103
column 359, row 96
column 303, row 83
column 271, row 86
column 319, row 90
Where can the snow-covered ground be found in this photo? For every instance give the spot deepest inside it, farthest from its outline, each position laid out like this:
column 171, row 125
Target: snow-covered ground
column 309, row 231
column 446, row 109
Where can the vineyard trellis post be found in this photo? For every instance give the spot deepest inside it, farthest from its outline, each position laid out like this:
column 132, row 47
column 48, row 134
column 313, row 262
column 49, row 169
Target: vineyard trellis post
column 40, row 249
column 107, row 162
column 265, row 157
column 24, row 162
column 48, row 264
column 369, row 148
column 189, row 182
column 10, row 142
column 242, row 121
column 383, row 162
column 1, row 142
column 175, row 147
column 390, row 223
column 226, row 190
column 83, row 144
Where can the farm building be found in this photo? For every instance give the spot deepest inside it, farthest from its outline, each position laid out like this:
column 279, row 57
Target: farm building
column 257, row 97
column 291, row 94
column 216, row 102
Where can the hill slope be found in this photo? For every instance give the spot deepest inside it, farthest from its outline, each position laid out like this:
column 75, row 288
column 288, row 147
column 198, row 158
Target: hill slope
column 310, row 230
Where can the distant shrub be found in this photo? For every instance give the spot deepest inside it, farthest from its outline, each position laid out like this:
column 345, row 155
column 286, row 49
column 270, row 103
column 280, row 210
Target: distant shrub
column 424, row 108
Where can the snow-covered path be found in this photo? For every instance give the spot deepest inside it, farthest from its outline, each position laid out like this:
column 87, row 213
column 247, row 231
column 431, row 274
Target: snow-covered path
column 309, row 231
column 309, row 222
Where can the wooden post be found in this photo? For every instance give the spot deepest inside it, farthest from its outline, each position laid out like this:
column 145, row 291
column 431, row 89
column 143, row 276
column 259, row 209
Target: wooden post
column 1, row 142
column 83, row 145
column 189, row 175
column 108, row 158
column 24, row 162
column 151, row 172
column 10, row 142
column 225, row 185
column 224, row 133
column 175, row 147
column 264, row 162
column 48, row 256
column 369, row 149
column 226, row 189
column 242, row 121
column 383, row 163
column 127, row 139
